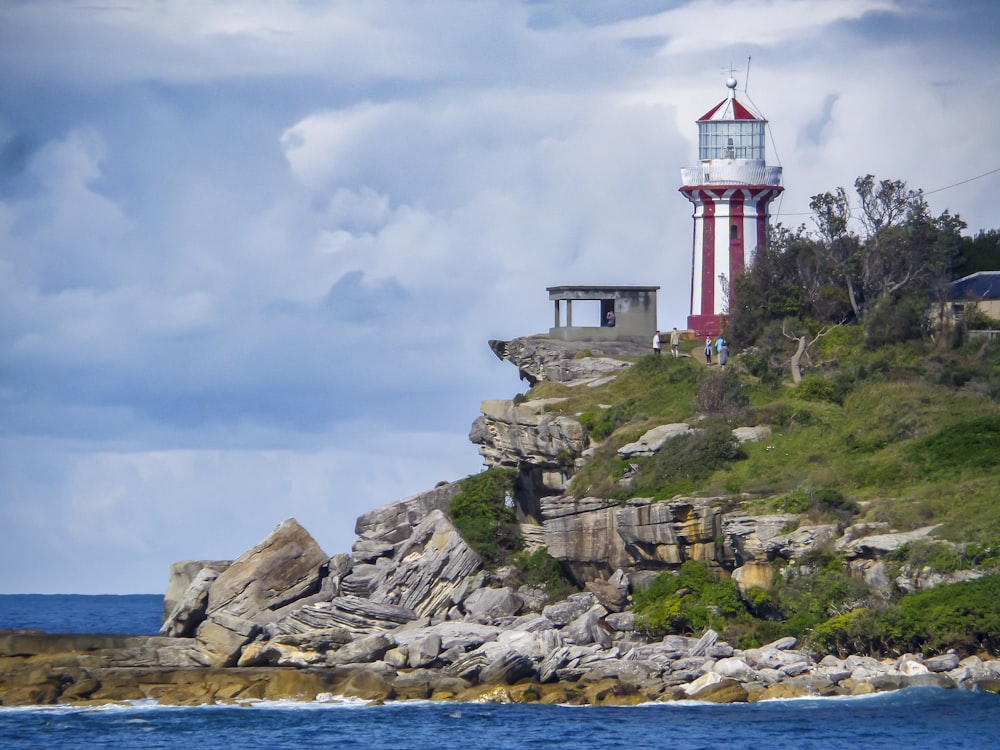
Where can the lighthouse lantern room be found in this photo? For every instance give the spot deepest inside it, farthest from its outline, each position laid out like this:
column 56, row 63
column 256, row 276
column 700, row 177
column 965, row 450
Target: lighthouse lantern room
column 731, row 189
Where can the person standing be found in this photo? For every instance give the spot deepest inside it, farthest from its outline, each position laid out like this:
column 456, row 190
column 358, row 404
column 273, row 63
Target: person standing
column 675, row 342
column 656, row 343
column 610, row 319
column 708, row 350
column 723, row 355
column 718, row 344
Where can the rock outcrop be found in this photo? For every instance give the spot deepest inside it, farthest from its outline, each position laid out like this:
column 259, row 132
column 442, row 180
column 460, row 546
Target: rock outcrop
column 411, row 613
column 539, row 358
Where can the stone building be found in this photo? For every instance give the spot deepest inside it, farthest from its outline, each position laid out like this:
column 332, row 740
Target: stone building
column 633, row 307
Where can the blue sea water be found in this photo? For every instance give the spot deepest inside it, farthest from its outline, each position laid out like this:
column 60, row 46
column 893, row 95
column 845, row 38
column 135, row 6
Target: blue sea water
column 913, row 718
column 128, row 614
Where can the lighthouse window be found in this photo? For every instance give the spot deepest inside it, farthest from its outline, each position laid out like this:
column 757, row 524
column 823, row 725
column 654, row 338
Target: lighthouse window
column 730, row 139
column 734, row 232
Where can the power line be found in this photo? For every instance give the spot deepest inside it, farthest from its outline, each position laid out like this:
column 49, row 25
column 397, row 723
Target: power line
column 926, row 192
column 971, row 179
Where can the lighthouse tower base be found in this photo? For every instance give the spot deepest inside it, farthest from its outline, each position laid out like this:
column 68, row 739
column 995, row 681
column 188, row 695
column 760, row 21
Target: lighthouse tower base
column 706, row 325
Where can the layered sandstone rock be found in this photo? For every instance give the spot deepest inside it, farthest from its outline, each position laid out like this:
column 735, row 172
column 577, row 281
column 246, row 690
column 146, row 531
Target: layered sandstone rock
column 539, row 358
column 410, row 613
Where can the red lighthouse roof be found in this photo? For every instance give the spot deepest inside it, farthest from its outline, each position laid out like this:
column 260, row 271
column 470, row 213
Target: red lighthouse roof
column 728, row 109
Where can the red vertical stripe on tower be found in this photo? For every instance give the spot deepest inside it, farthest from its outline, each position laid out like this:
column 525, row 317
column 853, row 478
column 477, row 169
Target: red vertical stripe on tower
column 762, row 202
column 737, row 240
column 708, row 256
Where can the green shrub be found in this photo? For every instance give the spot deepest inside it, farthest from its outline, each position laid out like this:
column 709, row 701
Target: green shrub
column 819, row 388
column 818, row 502
column 689, row 601
column 722, row 394
column 483, row 512
column 687, row 459
column 890, row 321
column 942, row 557
column 976, row 319
column 540, row 568
column 602, row 423
column 815, row 589
column 965, row 616
column 762, row 604
column 815, row 388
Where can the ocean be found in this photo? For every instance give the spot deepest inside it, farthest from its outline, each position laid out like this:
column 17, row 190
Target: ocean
column 913, row 718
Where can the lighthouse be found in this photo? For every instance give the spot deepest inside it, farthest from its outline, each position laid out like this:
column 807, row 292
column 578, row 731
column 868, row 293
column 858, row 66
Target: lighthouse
column 731, row 189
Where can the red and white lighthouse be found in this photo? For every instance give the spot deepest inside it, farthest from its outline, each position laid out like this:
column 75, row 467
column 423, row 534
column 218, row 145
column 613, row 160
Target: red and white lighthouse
column 731, row 189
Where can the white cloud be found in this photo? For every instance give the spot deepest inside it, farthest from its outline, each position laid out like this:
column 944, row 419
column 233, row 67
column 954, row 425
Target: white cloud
column 252, row 253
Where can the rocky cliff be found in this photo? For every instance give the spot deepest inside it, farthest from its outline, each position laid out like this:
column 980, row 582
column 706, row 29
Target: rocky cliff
column 410, row 612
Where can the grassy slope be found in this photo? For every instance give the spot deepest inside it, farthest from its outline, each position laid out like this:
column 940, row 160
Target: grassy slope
column 864, row 425
column 908, row 435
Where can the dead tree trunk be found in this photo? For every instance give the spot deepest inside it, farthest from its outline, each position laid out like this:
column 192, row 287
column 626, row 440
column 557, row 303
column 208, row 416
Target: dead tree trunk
column 802, row 349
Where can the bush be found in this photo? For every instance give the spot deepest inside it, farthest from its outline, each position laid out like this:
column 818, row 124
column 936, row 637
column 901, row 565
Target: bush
column 689, row 601
column 819, row 503
column 889, row 321
column 965, row 616
column 942, row 557
column 686, row 460
column 483, row 512
column 603, row 423
column 540, row 568
column 977, row 319
column 817, row 588
column 817, row 388
column 720, row 393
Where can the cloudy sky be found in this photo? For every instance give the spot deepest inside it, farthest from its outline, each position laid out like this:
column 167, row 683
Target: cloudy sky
column 251, row 252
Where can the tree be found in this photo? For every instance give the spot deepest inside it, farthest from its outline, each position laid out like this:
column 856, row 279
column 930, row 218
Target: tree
column 840, row 249
column 979, row 253
column 904, row 248
column 802, row 349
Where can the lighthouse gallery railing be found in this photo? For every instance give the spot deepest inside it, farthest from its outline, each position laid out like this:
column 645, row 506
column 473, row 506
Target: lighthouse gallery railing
column 731, row 172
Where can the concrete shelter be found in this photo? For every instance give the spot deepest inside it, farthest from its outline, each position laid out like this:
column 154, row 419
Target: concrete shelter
column 634, row 308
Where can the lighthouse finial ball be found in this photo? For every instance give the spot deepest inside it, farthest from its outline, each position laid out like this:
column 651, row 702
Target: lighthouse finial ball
column 731, row 83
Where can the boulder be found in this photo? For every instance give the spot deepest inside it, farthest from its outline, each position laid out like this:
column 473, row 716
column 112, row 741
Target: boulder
column 613, row 594
column 715, row 688
column 754, row 575
column 752, row 434
column 652, row 441
column 287, row 566
column 750, row 537
column 182, row 574
column 364, row 650
column 190, row 609
column 423, row 651
column 222, row 636
column 942, row 663
column 803, row 541
column 369, row 682
column 562, row 613
column 588, row 628
column 880, row 545
column 491, row 604
column 456, row 636
column 733, row 667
